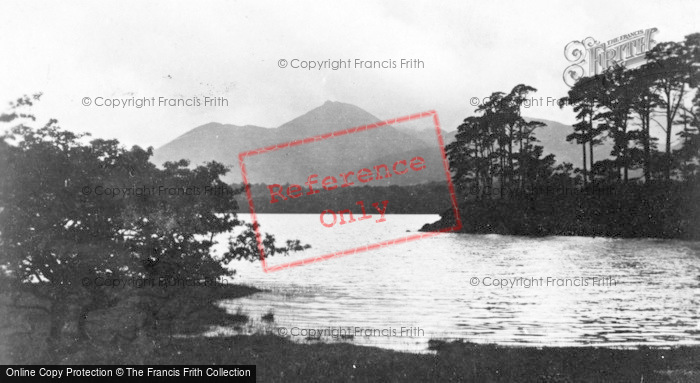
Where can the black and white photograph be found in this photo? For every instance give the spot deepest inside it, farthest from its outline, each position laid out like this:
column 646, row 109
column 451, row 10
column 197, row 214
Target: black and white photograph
column 366, row 191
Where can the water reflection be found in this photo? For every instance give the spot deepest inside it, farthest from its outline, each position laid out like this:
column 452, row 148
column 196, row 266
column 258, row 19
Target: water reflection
column 428, row 284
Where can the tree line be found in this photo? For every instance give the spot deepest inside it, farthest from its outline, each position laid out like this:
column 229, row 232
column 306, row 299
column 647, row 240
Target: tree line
column 497, row 149
column 623, row 105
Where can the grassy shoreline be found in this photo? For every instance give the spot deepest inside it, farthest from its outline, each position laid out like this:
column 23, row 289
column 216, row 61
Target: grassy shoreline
column 280, row 359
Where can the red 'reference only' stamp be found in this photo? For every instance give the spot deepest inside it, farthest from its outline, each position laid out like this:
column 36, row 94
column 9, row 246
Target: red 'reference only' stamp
column 354, row 176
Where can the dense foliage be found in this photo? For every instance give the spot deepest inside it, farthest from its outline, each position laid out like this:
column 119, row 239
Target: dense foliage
column 61, row 240
column 497, row 150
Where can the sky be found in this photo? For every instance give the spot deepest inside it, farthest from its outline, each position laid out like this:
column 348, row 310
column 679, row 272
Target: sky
column 71, row 50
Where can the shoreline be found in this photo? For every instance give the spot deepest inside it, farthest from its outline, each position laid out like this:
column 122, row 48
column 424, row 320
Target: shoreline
column 281, row 359
column 663, row 210
column 447, row 221
column 439, row 225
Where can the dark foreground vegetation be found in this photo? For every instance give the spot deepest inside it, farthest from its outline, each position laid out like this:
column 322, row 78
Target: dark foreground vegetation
column 70, row 250
column 22, row 340
column 507, row 185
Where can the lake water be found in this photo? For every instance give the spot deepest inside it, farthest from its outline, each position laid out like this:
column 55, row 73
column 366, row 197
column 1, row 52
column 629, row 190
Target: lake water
column 645, row 291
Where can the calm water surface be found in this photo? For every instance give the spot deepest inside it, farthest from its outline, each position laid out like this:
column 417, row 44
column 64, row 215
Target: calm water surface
column 445, row 287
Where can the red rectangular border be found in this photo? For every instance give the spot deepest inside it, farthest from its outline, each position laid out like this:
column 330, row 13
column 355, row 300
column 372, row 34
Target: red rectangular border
column 441, row 144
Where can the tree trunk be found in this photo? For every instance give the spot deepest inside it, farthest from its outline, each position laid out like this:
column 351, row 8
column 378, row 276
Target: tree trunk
column 585, row 168
column 669, row 128
column 590, row 142
column 521, row 181
column 510, row 156
column 669, row 125
column 647, row 149
column 625, row 156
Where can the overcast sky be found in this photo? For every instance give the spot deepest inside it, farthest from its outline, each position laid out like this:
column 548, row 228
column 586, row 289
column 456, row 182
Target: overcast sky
column 75, row 49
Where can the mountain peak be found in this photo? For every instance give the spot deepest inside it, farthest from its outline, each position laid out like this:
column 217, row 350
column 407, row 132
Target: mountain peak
column 330, row 116
column 210, row 125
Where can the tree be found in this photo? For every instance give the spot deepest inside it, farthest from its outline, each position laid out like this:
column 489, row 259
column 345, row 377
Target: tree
column 61, row 231
column 515, row 100
column 615, row 103
column 496, row 145
column 672, row 66
column 497, row 137
column 584, row 97
column 581, row 137
column 689, row 152
column 644, row 102
column 465, row 155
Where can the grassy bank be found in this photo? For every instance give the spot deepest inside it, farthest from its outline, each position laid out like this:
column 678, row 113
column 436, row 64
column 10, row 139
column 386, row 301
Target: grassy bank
column 24, row 325
column 279, row 359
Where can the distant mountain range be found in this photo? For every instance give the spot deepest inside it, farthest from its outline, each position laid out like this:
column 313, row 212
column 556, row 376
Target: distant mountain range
column 384, row 145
